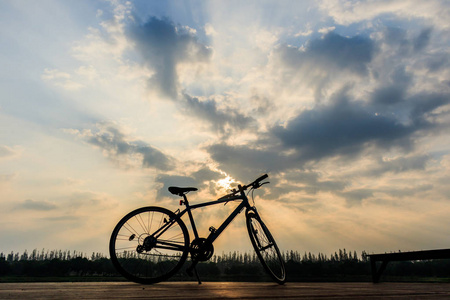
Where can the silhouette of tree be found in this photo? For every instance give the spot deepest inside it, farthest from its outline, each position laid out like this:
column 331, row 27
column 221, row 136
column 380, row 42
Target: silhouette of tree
column 341, row 265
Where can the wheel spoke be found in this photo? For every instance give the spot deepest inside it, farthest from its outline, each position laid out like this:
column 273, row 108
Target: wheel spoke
column 266, row 248
column 142, row 257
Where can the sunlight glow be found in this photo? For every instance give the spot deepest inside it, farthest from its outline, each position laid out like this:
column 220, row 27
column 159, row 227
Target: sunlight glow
column 225, row 183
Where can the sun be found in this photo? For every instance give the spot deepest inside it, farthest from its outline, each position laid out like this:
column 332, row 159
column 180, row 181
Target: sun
column 225, row 183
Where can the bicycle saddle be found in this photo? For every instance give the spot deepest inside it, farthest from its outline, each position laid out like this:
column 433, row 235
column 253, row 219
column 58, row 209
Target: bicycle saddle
column 180, row 191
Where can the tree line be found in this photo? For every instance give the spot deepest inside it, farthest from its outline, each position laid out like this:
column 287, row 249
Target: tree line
column 342, row 265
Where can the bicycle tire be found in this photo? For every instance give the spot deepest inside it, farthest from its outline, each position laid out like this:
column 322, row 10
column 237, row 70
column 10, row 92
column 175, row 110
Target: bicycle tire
column 143, row 255
column 265, row 247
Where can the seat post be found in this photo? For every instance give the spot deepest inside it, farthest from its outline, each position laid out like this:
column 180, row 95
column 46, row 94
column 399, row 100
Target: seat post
column 186, row 202
column 191, row 217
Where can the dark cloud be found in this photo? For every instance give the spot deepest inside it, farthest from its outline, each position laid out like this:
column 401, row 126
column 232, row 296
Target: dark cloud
column 261, row 103
column 355, row 196
column 110, row 139
column 306, row 181
column 404, row 42
column 320, row 60
column 246, row 162
column 408, row 191
column 347, row 53
column 163, row 46
column 221, row 120
column 332, row 51
column 206, row 174
column 422, row 40
column 311, row 182
column 394, row 91
column 437, row 62
column 395, row 36
column 399, row 165
column 423, row 106
column 343, row 128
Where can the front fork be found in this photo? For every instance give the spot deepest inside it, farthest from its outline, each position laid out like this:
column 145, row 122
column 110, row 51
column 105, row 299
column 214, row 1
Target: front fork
column 252, row 210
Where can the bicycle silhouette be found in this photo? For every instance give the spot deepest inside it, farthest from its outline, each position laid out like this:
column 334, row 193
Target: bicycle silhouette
column 150, row 244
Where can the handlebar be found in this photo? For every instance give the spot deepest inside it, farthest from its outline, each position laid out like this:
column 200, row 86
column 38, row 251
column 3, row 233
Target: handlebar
column 255, row 184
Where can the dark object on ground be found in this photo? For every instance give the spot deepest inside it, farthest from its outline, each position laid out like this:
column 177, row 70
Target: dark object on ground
column 385, row 258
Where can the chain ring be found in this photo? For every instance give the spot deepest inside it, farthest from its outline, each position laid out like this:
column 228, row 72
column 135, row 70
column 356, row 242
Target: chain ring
column 201, row 249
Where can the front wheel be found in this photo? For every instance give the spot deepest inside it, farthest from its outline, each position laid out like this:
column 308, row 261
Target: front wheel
column 266, row 248
column 149, row 245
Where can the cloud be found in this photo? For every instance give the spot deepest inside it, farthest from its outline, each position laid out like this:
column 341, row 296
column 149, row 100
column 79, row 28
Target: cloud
column 331, row 52
column 348, row 12
column 209, row 30
column 405, row 42
column 305, row 182
column 393, row 91
column 36, row 205
column 422, row 40
column 321, row 61
column 306, row 32
column 355, row 196
column 438, row 62
column 222, row 120
column 326, row 29
column 163, row 47
column 118, row 147
column 342, row 128
column 399, row 164
column 244, row 162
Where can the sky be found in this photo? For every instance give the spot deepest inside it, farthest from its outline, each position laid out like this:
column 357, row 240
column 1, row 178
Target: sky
column 344, row 104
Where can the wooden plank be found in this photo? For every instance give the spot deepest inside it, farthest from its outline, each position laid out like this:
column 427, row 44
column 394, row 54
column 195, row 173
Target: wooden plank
column 223, row 290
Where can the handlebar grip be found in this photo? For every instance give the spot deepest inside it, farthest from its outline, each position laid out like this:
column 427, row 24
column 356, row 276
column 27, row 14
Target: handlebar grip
column 261, row 178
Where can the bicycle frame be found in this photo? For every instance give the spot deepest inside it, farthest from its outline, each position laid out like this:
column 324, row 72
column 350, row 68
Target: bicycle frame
column 154, row 266
column 216, row 232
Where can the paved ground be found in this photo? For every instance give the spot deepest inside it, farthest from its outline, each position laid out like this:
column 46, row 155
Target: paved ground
column 224, row 290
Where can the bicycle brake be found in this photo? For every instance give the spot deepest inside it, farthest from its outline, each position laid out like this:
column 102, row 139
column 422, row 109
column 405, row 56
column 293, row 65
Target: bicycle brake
column 258, row 185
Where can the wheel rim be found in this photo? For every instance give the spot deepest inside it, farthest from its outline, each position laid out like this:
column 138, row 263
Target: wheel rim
column 144, row 253
column 266, row 249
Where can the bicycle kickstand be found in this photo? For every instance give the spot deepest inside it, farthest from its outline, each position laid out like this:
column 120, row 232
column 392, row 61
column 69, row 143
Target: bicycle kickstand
column 196, row 275
column 193, row 268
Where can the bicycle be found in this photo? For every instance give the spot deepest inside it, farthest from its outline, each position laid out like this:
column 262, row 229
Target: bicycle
column 150, row 244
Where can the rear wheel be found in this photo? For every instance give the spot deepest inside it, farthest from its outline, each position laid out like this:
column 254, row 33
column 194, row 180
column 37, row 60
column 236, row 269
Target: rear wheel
column 266, row 248
column 149, row 245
